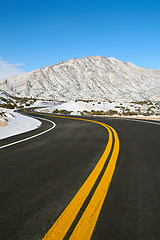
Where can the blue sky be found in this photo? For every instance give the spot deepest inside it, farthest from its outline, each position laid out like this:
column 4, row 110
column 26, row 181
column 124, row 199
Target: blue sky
column 34, row 33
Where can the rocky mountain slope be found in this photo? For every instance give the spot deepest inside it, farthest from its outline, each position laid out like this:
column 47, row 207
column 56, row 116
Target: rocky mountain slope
column 96, row 78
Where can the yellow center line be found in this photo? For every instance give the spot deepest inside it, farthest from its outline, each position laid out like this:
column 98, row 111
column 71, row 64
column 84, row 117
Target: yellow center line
column 65, row 220
column 87, row 222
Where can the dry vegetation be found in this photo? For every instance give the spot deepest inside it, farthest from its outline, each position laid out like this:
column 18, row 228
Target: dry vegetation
column 63, row 112
column 12, row 102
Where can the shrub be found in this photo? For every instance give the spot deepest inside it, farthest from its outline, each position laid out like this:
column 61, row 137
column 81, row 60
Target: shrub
column 8, row 105
column 55, row 111
column 99, row 112
column 63, row 111
column 111, row 112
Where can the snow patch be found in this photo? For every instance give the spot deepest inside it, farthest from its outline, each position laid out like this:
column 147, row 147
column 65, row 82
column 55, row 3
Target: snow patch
column 17, row 123
column 106, row 108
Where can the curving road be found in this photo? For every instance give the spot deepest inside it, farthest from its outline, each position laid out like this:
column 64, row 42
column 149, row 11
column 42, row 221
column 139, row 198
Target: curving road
column 40, row 176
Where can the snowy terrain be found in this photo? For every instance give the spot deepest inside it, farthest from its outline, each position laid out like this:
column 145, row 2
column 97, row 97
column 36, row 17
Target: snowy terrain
column 105, row 108
column 13, row 123
column 93, row 86
column 13, row 102
column 97, row 78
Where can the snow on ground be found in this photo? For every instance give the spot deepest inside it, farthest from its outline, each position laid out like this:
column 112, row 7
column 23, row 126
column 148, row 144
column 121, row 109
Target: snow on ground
column 15, row 123
column 40, row 103
column 106, row 108
column 76, row 107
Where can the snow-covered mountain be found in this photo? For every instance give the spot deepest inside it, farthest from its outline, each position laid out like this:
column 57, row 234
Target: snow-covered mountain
column 96, row 78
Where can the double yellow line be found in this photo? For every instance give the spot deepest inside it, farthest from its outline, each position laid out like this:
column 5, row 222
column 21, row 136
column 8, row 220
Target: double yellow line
column 87, row 222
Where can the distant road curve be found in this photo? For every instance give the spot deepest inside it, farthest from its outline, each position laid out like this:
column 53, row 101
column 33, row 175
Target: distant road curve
column 59, row 181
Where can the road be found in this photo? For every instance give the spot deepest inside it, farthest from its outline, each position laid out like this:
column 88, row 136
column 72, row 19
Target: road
column 41, row 176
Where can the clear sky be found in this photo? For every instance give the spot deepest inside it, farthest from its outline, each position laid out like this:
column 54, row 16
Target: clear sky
column 36, row 33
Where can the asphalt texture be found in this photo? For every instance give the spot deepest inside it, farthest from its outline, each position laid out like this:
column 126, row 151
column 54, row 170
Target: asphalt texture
column 39, row 177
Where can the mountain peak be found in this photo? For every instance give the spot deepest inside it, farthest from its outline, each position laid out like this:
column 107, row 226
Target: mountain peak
column 95, row 77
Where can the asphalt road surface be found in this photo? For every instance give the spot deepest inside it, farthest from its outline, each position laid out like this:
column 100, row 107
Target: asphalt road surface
column 39, row 178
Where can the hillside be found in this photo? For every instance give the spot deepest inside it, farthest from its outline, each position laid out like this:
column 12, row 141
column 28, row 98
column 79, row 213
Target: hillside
column 96, row 78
